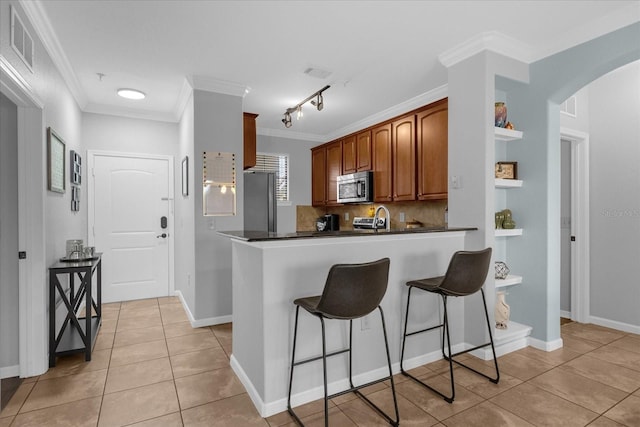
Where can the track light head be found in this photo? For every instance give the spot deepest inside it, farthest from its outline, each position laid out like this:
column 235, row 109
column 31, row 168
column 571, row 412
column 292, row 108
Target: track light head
column 318, row 103
column 287, row 120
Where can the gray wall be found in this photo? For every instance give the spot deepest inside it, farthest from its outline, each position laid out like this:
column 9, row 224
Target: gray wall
column 8, row 234
column 299, row 175
column 217, row 126
column 614, row 122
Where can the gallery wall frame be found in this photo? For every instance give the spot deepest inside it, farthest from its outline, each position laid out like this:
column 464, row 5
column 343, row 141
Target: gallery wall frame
column 185, row 176
column 56, row 162
column 75, row 170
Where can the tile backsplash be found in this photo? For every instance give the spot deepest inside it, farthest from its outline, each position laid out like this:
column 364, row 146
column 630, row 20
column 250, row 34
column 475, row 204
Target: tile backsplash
column 429, row 213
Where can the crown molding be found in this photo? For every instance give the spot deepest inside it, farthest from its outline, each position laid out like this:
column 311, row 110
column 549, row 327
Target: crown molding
column 40, row 21
column 224, row 87
column 491, row 40
column 289, row 134
column 183, row 98
column 16, row 86
column 408, row 105
column 131, row 113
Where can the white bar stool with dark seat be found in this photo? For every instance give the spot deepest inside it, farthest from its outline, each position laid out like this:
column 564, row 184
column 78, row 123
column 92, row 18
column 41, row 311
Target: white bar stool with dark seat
column 465, row 275
column 350, row 292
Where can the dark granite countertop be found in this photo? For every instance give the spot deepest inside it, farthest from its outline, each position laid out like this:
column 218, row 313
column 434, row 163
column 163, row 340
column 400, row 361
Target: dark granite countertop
column 262, row 236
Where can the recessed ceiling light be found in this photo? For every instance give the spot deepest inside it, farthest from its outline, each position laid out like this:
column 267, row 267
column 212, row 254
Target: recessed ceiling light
column 131, row 94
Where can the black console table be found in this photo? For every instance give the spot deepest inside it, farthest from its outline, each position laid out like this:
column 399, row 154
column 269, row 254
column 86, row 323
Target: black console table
column 77, row 334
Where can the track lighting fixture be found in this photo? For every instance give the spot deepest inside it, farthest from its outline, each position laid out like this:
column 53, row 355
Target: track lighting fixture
column 318, row 102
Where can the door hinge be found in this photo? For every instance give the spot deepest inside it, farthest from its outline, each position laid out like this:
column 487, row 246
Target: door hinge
column 22, row 255
column 573, row 238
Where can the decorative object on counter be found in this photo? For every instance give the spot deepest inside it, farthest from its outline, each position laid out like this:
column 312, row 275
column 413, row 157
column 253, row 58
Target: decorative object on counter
column 414, row 223
column 502, row 271
column 499, row 220
column 318, row 102
column 501, row 115
column 509, row 125
column 502, row 311
column 508, row 222
column 506, row 170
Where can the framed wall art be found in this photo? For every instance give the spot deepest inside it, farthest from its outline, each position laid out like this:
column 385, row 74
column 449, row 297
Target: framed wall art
column 507, row 170
column 75, row 171
column 185, row 176
column 56, row 165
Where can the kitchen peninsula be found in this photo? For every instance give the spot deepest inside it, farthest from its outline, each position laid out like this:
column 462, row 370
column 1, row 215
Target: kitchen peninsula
column 270, row 270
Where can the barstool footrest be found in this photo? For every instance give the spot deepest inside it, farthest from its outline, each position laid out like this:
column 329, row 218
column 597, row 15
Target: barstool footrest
column 355, row 390
column 314, row 358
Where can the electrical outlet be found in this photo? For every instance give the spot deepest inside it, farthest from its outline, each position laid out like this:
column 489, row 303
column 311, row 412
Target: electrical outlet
column 346, row 216
column 456, row 181
column 402, row 217
column 188, row 280
column 365, row 323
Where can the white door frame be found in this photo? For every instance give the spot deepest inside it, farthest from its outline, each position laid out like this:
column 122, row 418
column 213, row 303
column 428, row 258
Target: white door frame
column 580, row 262
column 91, row 156
column 32, row 271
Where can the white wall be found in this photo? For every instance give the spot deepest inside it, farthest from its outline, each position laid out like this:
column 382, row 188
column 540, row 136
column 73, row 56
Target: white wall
column 614, row 123
column 218, row 126
column 8, row 234
column 299, row 175
column 185, row 265
column 60, row 112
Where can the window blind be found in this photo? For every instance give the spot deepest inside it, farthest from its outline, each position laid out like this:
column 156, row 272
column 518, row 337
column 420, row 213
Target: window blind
column 278, row 164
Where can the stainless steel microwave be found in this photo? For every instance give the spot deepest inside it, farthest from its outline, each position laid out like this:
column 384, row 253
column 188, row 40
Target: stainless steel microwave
column 355, row 187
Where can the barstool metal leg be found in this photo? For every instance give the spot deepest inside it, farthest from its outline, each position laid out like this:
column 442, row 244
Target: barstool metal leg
column 293, row 358
column 324, row 372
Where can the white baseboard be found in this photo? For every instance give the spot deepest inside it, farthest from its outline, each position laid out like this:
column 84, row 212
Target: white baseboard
column 565, row 314
column 613, row 324
column 545, row 345
column 9, row 371
column 199, row 323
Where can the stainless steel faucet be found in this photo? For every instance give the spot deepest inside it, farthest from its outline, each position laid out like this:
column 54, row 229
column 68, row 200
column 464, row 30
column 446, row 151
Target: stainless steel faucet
column 386, row 215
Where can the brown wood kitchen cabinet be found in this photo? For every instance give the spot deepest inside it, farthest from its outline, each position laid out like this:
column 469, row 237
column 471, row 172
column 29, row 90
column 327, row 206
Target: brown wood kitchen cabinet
column 404, row 158
column 249, row 136
column 356, row 152
column 318, row 176
column 432, row 151
column 334, row 169
column 326, row 166
column 382, row 166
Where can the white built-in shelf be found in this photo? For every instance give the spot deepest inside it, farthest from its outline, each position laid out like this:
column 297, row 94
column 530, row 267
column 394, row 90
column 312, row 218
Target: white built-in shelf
column 503, row 232
column 502, row 134
column 511, row 280
column 508, row 183
column 513, row 332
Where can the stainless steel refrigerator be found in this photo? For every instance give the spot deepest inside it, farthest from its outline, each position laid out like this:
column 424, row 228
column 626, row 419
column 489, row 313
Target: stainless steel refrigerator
column 260, row 204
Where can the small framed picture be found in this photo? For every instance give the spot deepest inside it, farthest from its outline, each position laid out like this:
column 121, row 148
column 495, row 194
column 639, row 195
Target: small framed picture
column 507, row 170
column 185, row 176
column 75, row 173
column 56, row 165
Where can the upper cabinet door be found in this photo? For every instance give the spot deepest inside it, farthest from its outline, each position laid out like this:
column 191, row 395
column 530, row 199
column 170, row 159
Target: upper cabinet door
column 249, row 134
column 432, row 141
column 404, row 159
column 349, row 154
column 318, row 176
column 363, row 151
column 334, row 169
column 382, row 168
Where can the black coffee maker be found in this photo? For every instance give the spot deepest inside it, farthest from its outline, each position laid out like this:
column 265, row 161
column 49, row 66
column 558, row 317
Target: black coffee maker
column 328, row 222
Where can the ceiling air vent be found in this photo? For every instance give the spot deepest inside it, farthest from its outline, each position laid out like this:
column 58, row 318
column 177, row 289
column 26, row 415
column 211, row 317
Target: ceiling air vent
column 317, row 73
column 21, row 40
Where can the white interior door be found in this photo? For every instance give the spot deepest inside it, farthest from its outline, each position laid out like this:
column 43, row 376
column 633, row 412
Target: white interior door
column 130, row 197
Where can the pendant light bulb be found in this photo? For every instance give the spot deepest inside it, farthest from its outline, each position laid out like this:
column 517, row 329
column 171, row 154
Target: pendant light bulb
column 299, row 115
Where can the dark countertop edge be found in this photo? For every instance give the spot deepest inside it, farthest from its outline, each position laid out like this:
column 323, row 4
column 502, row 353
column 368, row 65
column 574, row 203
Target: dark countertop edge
column 263, row 236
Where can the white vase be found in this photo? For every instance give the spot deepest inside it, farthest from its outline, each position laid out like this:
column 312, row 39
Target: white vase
column 502, row 311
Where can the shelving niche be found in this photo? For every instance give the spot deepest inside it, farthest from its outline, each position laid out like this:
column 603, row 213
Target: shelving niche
column 515, row 331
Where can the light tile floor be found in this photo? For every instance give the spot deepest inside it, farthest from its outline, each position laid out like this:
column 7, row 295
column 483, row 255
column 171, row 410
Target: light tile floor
column 151, row 368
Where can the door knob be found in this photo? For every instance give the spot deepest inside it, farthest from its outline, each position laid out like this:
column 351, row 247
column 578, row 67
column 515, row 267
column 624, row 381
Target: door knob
column 163, row 235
